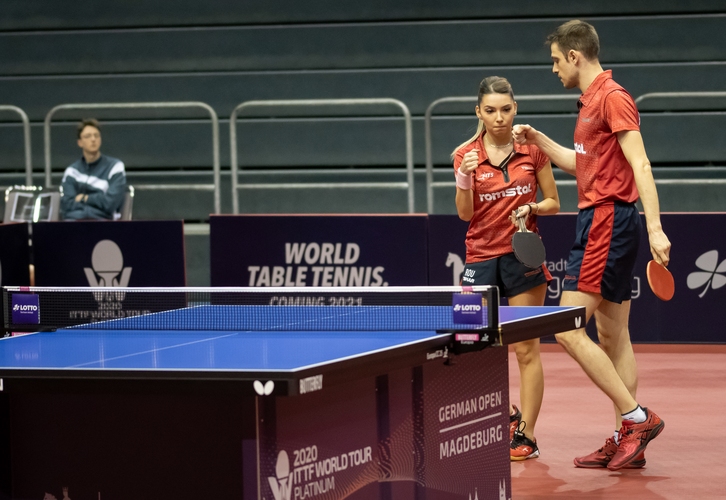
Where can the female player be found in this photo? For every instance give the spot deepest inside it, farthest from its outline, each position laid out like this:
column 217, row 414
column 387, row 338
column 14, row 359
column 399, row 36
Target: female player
column 495, row 177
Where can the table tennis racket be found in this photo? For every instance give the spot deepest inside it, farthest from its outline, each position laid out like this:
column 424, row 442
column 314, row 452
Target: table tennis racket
column 527, row 246
column 660, row 280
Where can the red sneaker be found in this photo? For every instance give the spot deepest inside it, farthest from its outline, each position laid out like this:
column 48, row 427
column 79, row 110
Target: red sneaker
column 602, row 457
column 514, row 422
column 522, row 448
column 634, row 438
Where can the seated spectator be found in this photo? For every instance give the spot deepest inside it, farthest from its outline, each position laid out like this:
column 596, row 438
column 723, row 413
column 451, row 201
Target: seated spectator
column 94, row 186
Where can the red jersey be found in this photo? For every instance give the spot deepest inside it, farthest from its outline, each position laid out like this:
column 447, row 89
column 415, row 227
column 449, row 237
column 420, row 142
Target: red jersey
column 603, row 174
column 496, row 195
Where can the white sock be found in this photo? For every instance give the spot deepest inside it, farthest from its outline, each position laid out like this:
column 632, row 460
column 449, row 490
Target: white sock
column 616, row 437
column 638, row 415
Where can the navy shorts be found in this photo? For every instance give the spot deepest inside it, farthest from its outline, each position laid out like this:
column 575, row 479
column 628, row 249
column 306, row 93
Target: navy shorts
column 603, row 256
column 506, row 272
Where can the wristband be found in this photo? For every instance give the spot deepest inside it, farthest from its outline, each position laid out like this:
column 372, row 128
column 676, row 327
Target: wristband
column 463, row 181
column 531, row 210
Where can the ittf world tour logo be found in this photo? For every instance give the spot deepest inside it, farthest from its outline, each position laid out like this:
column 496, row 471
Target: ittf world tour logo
column 281, row 485
column 108, row 269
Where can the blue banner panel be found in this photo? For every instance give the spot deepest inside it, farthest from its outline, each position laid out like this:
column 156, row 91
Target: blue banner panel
column 14, row 255
column 698, row 265
column 447, row 250
column 438, row 431
column 118, row 254
column 323, row 444
column 465, row 427
column 304, row 250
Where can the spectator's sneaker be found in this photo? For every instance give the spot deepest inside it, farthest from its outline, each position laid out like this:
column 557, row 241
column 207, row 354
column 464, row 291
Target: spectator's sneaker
column 602, row 457
column 634, row 438
column 522, row 447
column 514, row 422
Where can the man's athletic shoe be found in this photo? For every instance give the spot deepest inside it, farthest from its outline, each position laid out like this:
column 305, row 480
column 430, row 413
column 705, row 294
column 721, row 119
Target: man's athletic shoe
column 602, row 457
column 634, row 438
column 522, row 447
column 514, row 422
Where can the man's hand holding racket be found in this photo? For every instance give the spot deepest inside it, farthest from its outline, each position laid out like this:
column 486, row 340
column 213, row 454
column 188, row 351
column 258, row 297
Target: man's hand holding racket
column 660, row 247
column 659, row 277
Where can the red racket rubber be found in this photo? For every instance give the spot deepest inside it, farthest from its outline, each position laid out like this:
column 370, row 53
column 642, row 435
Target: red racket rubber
column 660, row 280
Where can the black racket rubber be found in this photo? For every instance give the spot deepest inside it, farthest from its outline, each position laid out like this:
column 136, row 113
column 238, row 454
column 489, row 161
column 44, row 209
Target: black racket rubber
column 528, row 247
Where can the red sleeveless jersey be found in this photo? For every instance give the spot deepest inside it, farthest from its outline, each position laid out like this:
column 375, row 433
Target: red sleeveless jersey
column 603, row 174
column 490, row 231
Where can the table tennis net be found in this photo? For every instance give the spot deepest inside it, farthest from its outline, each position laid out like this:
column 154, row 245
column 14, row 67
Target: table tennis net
column 248, row 309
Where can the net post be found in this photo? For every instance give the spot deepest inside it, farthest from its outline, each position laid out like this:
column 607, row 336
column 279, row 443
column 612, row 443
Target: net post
column 3, row 316
column 493, row 307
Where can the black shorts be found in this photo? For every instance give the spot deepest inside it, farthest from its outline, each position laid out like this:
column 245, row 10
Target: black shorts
column 507, row 273
column 603, row 257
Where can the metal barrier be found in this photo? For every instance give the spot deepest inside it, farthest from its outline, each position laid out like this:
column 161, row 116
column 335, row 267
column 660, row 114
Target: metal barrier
column 332, row 185
column 26, row 141
column 148, row 105
column 430, row 184
column 668, row 95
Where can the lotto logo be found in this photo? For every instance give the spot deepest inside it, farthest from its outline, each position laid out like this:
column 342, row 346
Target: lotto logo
column 27, row 307
column 467, row 307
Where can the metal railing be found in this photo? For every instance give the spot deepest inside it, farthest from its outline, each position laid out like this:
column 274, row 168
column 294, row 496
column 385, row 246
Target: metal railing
column 430, row 184
column 679, row 95
column 669, row 95
column 26, row 140
column 148, row 105
column 409, row 185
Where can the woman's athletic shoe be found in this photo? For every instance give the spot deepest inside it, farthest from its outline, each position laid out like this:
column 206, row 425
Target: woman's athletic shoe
column 514, row 422
column 522, row 448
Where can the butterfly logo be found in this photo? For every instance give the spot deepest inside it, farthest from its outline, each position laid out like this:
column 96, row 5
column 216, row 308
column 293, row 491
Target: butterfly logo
column 709, row 274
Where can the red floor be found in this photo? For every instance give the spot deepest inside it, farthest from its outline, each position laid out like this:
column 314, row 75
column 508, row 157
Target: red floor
column 685, row 385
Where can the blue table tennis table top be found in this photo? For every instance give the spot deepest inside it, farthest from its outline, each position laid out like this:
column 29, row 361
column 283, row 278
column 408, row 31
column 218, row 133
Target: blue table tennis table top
column 97, row 350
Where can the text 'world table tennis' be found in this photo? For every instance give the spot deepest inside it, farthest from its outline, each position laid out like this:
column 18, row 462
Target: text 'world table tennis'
column 256, row 394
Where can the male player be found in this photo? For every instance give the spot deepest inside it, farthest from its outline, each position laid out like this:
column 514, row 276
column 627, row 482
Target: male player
column 612, row 170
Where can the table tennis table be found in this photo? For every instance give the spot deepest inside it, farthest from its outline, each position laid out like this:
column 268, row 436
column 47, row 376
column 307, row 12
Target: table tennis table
column 113, row 409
